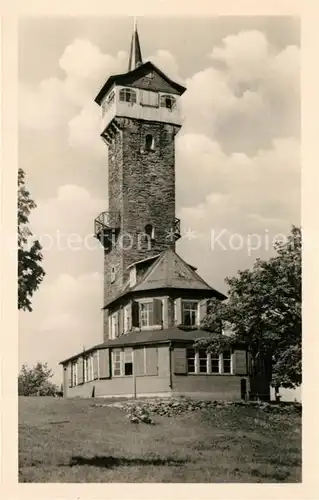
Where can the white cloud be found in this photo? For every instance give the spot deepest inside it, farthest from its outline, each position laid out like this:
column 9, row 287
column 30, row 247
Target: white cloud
column 230, row 194
column 71, row 211
column 69, row 100
column 64, row 226
column 45, row 107
column 56, row 101
column 248, row 97
column 244, row 54
column 85, row 130
column 66, row 317
column 167, row 63
column 238, row 182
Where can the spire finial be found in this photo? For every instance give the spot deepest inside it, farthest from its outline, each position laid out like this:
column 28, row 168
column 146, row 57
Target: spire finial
column 135, row 50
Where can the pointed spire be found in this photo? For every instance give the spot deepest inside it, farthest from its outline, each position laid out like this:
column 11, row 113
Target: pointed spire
column 135, row 59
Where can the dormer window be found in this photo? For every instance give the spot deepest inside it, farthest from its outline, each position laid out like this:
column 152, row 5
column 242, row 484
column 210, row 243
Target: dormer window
column 149, row 142
column 167, row 101
column 128, row 95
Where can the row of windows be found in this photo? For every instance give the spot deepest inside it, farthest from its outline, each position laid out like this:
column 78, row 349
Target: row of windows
column 145, row 314
column 147, row 98
column 199, row 361
column 122, row 366
column 88, row 370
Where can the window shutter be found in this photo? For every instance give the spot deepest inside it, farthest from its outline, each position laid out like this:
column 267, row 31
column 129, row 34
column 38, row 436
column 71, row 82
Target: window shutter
column 149, row 98
column 151, row 354
column 180, row 360
column 104, row 363
column 80, row 370
column 202, row 310
column 110, row 326
column 157, row 312
column 240, row 363
column 138, row 360
column 116, row 322
column 120, row 318
column 95, row 365
column 69, row 370
column 135, row 314
column 178, row 311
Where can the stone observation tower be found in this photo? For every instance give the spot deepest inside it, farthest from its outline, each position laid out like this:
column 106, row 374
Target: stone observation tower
column 154, row 301
column 140, row 117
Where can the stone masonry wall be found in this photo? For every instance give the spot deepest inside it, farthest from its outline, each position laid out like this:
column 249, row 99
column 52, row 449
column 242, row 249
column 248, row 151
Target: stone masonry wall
column 142, row 189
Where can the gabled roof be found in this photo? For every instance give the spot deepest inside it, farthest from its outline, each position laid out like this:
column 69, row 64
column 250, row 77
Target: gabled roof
column 130, row 77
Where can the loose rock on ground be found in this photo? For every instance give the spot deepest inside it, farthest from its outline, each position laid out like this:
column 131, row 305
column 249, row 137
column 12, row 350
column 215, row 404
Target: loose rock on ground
column 141, row 410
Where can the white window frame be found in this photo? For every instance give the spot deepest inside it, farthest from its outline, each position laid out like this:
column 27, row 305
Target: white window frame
column 126, row 91
column 88, row 368
column 124, row 355
column 116, row 362
column 150, row 310
column 231, row 362
column 209, row 363
column 163, row 98
column 185, row 301
column 74, row 373
column 114, row 324
column 85, row 369
column 127, row 318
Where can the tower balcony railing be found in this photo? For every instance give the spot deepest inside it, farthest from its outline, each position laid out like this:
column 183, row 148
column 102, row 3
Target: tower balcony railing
column 106, row 226
column 177, row 228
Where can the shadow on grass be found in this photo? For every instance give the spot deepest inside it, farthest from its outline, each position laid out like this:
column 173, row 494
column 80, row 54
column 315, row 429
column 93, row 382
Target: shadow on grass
column 111, row 462
column 278, row 475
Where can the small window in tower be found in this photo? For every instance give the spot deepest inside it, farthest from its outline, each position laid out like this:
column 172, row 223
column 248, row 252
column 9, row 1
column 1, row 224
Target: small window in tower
column 113, row 274
column 128, row 95
column 168, row 101
column 149, row 142
column 150, row 231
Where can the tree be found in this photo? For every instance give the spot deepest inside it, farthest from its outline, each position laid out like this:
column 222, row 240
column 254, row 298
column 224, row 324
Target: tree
column 36, row 381
column 30, row 272
column 263, row 310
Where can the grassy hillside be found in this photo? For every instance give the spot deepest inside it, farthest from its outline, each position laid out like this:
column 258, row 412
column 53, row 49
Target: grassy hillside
column 73, row 441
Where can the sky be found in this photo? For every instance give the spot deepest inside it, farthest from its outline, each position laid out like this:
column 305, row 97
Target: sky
column 237, row 154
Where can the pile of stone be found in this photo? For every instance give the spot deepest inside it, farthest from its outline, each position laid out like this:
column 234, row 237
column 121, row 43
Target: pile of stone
column 141, row 410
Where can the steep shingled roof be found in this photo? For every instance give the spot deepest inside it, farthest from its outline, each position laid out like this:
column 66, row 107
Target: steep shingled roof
column 169, row 271
column 135, row 59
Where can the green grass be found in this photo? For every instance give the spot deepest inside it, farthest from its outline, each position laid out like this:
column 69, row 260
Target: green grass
column 64, row 440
